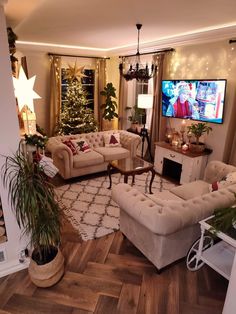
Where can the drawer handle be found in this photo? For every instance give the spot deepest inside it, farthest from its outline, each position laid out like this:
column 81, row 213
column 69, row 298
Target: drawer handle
column 171, row 155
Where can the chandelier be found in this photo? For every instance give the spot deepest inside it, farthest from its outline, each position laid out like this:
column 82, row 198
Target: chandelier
column 137, row 70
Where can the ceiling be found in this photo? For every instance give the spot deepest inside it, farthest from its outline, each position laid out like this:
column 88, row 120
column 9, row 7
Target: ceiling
column 107, row 27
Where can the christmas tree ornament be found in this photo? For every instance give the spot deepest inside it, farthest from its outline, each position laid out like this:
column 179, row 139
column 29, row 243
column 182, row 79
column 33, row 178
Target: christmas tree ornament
column 24, row 90
column 74, row 73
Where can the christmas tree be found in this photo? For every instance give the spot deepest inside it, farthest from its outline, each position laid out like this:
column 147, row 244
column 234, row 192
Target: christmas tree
column 75, row 116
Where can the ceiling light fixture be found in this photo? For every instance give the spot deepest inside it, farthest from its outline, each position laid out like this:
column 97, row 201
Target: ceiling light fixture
column 137, row 70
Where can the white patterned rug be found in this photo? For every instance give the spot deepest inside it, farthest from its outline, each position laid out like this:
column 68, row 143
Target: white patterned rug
column 89, row 207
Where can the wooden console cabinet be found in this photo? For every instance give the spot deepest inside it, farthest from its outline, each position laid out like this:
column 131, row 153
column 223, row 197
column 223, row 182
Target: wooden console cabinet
column 193, row 164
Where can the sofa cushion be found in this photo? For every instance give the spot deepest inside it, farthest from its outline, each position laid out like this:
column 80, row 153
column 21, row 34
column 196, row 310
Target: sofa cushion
column 90, row 159
column 160, row 198
column 113, row 153
column 191, row 190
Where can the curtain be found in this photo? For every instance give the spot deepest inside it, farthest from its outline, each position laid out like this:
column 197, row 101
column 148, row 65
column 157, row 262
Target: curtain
column 101, row 79
column 230, row 139
column 232, row 159
column 123, row 93
column 157, row 126
column 55, row 93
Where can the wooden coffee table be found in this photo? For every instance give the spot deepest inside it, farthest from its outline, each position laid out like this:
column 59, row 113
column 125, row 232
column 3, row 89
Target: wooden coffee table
column 131, row 167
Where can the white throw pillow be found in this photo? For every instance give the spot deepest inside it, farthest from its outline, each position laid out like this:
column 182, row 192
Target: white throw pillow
column 112, row 140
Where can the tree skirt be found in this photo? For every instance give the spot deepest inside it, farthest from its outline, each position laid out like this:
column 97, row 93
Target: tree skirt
column 89, row 207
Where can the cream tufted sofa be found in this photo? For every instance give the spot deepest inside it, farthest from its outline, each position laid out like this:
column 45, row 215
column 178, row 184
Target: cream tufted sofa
column 70, row 165
column 165, row 225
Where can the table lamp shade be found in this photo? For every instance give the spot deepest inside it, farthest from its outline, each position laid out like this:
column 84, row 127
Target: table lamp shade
column 145, row 101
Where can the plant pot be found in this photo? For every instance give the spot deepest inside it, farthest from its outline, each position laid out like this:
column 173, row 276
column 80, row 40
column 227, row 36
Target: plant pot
column 107, row 125
column 134, row 126
column 197, row 148
column 48, row 274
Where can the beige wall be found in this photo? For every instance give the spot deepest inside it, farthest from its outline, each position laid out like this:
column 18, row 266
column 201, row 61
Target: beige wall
column 208, row 61
column 9, row 141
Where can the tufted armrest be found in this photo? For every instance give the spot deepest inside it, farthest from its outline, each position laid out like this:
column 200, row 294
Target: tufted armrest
column 216, row 170
column 173, row 215
column 61, row 155
column 130, row 141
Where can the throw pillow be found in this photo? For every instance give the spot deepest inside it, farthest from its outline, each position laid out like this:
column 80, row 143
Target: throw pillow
column 81, row 146
column 112, row 140
column 229, row 179
column 71, row 146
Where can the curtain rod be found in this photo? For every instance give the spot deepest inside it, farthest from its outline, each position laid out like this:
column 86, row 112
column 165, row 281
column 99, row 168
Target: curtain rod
column 149, row 53
column 231, row 41
column 63, row 55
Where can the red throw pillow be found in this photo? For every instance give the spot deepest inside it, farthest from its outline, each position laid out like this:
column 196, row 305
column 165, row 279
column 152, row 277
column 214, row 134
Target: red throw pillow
column 71, row 146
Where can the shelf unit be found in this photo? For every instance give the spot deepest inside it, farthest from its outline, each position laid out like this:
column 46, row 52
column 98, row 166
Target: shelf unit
column 220, row 256
column 190, row 166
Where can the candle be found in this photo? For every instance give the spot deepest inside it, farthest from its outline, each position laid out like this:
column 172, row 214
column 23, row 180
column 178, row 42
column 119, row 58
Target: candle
column 185, row 147
column 183, row 125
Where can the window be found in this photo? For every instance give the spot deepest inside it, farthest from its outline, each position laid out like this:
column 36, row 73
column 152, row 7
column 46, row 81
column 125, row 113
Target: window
column 134, row 89
column 88, row 84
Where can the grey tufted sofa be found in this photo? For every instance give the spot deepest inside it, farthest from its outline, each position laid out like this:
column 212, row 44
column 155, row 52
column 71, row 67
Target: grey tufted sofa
column 165, row 225
column 70, row 165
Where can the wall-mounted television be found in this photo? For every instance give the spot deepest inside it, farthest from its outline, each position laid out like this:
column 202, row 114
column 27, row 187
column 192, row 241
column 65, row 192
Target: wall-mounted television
column 201, row 100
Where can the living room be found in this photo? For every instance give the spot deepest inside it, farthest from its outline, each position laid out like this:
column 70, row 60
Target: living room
column 205, row 54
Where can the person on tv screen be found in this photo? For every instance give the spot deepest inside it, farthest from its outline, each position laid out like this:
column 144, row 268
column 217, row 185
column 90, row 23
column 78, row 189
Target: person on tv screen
column 183, row 105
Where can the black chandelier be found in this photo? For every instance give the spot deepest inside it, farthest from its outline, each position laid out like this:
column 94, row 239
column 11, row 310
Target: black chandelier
column 137, row 70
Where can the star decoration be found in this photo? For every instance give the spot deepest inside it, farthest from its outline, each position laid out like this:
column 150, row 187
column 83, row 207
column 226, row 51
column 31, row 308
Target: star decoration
column 24, row 90
column 75, row 73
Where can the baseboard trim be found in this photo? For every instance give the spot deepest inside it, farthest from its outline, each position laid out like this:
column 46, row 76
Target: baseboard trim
column 12, row 267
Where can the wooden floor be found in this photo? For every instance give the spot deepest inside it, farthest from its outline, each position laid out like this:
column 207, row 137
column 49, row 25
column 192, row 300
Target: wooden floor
column 110, row 275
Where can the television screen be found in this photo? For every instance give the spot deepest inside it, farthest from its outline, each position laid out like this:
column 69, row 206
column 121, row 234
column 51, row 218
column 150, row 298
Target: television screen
column 201, row 100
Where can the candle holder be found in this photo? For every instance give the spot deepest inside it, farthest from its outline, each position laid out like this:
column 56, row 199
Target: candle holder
column 189, row 136
column 182, row 132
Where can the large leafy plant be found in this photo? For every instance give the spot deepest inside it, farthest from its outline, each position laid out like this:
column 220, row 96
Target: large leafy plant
column 198, row 130
column 33, row 200
column 224, row 219
column 110, row 105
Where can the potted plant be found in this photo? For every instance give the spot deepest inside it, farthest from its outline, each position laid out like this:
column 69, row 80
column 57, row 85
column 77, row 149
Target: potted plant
column 39, row 141
column 135, row 115
column 38, row 214
column 198, row 129
column 110, row 105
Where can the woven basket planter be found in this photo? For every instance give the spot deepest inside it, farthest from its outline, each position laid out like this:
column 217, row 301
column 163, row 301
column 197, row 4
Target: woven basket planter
column 48, row 274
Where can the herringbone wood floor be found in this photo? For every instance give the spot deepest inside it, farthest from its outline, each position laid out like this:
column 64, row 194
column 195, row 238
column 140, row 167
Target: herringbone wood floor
column 110, row 275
